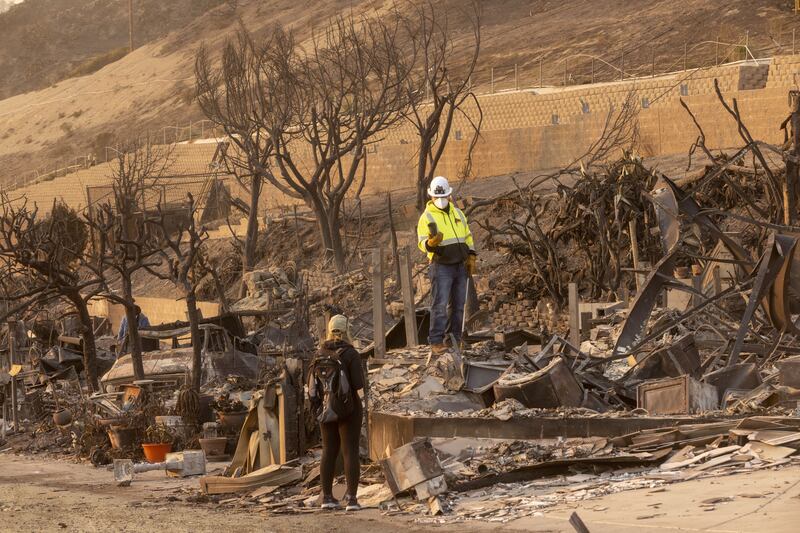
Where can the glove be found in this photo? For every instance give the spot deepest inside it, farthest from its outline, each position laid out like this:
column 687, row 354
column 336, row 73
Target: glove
column 435, row 240
column 471, row 264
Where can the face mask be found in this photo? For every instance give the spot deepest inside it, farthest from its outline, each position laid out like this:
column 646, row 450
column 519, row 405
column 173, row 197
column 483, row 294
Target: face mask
column 441, row 203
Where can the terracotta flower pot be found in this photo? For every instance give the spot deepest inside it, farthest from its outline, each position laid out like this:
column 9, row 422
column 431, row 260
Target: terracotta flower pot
column 156, row 452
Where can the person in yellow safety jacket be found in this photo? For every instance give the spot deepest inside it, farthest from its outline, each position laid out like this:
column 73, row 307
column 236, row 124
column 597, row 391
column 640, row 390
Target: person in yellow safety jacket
column 444, row 235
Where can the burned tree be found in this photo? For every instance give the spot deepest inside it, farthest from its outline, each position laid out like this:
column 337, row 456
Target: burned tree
column 587, row 220
column 183, row 264
column 440, row 88
column 350, row 87
column 123, row 242
column 43, row 261
column 248, row 96
column 620, row 134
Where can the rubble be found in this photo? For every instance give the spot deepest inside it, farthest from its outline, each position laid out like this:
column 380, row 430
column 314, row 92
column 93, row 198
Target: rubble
column 268, row 290
column 549, row 399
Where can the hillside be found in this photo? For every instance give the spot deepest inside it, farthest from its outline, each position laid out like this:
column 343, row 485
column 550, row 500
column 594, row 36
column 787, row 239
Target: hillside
column 153, row 87
column 44, row 41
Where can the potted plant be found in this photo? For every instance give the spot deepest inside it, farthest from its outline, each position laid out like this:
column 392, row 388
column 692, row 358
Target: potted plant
column 231, row 414
column 158, row 443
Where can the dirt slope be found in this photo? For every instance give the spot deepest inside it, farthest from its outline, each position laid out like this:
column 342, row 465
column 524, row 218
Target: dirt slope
column 153, row 86
column 43, row 41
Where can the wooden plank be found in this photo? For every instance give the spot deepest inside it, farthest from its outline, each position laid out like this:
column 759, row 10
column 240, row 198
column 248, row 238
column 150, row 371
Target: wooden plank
column 395, row 255
column 412, row 338
column 777, row 438
column 378, row 304
column 264, row 450
column 706, row 455
column 716, row 461
column 577, row 524
column 273, row 476
column 574, row 316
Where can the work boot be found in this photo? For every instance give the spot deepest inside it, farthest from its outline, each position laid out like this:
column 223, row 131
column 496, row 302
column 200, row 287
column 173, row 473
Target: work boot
column 352, row 504
column 439, row 348
column 329, row 502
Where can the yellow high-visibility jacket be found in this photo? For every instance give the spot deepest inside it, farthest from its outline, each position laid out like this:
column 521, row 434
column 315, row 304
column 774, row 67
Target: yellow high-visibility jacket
column 452, row 223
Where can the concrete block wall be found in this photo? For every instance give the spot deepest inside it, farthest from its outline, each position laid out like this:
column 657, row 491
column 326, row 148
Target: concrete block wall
column 784, row 71
column 157, row 310
column 518, row 133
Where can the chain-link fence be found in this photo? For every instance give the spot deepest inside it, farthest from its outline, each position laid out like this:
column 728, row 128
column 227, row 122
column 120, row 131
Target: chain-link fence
column 559, row 68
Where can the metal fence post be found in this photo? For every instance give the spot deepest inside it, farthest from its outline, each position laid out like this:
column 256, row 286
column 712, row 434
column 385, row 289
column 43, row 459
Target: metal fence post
column 685, row 49
column 540, row 73
column 653, row 62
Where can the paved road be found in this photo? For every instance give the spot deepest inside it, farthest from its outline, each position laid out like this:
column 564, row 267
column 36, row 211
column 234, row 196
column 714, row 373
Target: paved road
column 44, row 495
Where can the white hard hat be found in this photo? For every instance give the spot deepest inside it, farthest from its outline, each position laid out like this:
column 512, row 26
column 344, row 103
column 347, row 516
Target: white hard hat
column 439, row 188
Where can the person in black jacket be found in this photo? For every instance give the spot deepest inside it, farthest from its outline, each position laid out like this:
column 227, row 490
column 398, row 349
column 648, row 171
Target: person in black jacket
column 344, row 433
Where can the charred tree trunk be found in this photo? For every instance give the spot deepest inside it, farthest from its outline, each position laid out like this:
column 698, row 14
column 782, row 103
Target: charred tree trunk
column 197, row 348
column 326, row 233
column 251, row 237
column 334, row 225
column 422, row 170
column 87, row 335
column 134, row 341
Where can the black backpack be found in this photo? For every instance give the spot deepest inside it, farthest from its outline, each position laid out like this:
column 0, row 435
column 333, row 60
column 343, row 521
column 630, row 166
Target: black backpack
column 329, row 387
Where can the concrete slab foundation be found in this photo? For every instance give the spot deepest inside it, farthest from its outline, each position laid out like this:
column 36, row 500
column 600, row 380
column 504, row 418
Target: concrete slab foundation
column 389, row 431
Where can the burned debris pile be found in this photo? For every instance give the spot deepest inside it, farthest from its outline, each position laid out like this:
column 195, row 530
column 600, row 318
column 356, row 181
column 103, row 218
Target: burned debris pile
column 631, row 330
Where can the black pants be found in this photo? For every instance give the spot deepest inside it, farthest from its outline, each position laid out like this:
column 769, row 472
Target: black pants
column 344, row 435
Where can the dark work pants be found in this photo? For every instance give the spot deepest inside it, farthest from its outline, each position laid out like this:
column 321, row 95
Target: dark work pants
column 448, row 296
column 344, row 434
